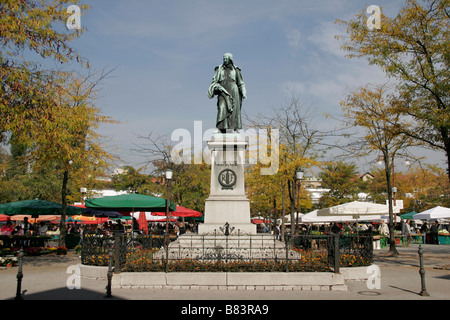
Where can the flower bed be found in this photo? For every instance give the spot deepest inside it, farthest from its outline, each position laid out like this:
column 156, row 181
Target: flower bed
column 351, row 260
column 312, row 261
column 189, row 265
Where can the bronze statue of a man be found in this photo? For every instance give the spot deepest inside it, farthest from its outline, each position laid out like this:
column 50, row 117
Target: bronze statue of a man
column 229, row 87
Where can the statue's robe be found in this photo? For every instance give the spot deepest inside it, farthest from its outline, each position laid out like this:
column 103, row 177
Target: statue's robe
column 229, row 87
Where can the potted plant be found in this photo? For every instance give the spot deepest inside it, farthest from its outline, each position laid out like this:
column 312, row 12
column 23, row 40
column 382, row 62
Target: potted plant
column 9, row 261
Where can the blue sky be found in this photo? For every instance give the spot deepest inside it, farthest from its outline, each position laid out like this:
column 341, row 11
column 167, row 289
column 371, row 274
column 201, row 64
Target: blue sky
column 164, row 54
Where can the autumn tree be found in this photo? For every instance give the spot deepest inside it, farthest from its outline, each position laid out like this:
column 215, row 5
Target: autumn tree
column 412, row 48
column 370, row 109
column 299, row 148
column 421, row 187
column 30, row 31
column 64, row 135
column 33, row 99
column 268, row 194
column 424, row 187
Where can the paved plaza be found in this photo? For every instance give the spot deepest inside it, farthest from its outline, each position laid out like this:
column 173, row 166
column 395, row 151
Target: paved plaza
column 46, row 277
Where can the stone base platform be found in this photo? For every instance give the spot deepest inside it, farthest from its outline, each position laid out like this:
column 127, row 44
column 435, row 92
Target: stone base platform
column 232, row 281
column 219, row 280
column 228, row 280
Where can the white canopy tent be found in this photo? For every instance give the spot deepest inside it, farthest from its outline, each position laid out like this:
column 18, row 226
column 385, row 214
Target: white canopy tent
column 436, row 213
column 150, row 218
column 357, row 209
column 287, row 218
column 313, row 217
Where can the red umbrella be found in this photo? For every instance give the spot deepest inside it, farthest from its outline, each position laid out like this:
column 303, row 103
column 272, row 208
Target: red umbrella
column 143, row 222
column 180, row 212
column 259, row 221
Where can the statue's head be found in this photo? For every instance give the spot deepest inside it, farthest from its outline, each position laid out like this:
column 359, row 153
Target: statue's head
column 227, row 58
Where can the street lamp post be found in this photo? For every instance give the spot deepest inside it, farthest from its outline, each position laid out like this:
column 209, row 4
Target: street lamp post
column 298, row 177
column 83, row 191
column 168, row 180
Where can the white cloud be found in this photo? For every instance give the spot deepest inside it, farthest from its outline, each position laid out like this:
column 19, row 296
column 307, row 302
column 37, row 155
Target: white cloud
column 323, row 37
column 178, row 20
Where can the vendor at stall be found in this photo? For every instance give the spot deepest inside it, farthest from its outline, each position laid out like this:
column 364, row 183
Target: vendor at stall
column 43, row 228
column 7, row 229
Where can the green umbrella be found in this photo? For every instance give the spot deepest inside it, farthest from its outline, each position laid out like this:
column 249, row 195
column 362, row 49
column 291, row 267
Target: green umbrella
column 129, row 203
column 408, row 215
column 196, row 219
column 36, row 207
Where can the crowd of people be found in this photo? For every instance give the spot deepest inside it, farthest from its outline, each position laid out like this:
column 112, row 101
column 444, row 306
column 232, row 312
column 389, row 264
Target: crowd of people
column 407, row 228
column 21, row 228
column 109, row 228
column 175, row 228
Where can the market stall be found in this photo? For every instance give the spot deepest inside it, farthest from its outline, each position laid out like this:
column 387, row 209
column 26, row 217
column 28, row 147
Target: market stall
column 436, row 213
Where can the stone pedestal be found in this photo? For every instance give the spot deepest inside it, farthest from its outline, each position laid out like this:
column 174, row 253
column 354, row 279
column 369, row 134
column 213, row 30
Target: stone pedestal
column 227, row 202
column 227, row 233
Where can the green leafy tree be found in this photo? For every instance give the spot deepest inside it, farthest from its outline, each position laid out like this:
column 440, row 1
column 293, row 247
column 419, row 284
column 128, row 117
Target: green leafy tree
column 191, row 185
column 131, row 180
column 341, row 179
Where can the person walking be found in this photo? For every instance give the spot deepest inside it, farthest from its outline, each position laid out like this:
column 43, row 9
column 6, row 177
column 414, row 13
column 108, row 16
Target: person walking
column 434, row 233
column 406, row 232
column 423, row 231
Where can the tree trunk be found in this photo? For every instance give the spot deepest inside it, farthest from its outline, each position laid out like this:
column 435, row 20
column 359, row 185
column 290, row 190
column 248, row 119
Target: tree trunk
column 448, row 165
column 447, row 150
column 291, row 191
column 273, row 222
column 283, row 209
column 62, row 224
column 387, row 166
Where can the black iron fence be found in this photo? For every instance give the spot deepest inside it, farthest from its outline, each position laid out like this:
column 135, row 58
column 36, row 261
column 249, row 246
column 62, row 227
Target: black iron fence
column 229, row 253
column 95, row 249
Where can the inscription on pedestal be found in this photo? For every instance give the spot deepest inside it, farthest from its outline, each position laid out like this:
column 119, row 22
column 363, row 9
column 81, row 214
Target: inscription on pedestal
column 227, row 179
